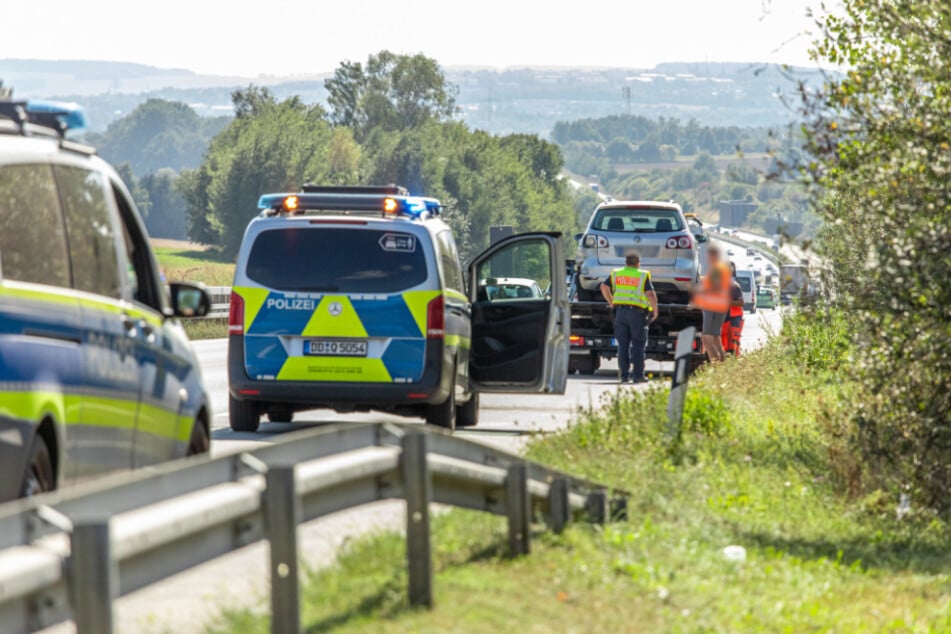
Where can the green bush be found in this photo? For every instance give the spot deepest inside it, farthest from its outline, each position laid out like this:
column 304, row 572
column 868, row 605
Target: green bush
column 880, row 136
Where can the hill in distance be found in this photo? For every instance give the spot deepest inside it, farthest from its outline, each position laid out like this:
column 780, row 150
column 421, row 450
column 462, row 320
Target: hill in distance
column 501, row 101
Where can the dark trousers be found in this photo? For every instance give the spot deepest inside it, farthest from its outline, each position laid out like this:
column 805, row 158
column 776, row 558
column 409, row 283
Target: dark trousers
column 630, row 329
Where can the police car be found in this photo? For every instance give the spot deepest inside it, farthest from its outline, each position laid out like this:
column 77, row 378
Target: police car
column 354, row 298
column 96, row 374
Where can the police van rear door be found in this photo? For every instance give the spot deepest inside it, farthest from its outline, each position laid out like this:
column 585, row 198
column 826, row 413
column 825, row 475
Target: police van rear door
column 343, row 301
column 520, row 336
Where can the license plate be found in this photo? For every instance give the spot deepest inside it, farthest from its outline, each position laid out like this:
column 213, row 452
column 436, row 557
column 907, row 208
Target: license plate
column 335, row 348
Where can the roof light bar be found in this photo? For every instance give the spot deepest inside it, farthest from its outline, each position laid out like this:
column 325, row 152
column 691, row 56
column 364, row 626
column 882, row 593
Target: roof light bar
column 348, row 202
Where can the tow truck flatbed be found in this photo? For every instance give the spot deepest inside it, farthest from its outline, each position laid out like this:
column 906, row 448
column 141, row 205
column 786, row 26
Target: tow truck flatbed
column 592, row 334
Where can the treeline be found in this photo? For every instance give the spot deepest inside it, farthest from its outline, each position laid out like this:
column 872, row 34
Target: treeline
column 389, row 121
column 637, row 139
column 151, row 146
column 636, row 158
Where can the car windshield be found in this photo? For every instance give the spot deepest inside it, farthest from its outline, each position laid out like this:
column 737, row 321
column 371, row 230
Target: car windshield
column 337, row 260
column 512, row 291
column 638, row 220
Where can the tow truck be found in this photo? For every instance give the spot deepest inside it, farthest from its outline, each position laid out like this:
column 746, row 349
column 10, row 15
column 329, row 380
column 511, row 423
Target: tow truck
column 592, row 335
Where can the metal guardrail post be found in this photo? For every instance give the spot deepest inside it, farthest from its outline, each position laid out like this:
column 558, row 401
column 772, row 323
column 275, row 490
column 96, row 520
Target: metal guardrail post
column 418, row 489
column 519, row 509
column 94, row 576
column 678, row 382
column 282, row 514
column 558, row 507
column 597, row 507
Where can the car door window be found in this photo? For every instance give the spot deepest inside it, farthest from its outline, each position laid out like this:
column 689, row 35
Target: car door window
column 32, row 235
column 519, row 334
column 516, row 273
column 136, row 258
column 91, row 231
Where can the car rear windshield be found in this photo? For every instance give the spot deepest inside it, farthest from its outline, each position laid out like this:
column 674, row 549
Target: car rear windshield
column 645, row 220
column 337, row 260
column 744, row 283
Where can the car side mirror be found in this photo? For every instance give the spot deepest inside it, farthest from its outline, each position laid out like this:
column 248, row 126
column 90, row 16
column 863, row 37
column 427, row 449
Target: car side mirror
column 700, row 238
column 189, row 300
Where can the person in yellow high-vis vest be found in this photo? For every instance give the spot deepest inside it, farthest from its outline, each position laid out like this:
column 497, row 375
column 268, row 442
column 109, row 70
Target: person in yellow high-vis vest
column 630, row 291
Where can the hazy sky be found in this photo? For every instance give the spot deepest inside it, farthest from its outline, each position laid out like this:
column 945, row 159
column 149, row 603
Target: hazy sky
column 285, row 37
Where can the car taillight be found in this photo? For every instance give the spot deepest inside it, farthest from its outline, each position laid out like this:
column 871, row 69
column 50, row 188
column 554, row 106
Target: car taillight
column 576, row 340
column 603, row 242
column 236, row 315
column 436, row 318
column 683, row 242
column 589, row 242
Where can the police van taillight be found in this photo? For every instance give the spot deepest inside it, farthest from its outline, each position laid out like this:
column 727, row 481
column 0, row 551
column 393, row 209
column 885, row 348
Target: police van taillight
column 236, row 315
column 436, row 318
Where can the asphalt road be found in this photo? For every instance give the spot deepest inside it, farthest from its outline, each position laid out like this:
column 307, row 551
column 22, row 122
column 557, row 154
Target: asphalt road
column 184, row 602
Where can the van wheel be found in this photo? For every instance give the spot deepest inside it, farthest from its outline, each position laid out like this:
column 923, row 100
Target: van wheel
column 39, row 476
column 243, row 415
column 467, row 414
column 280, row 415
column 198, row 443
column 444, row 414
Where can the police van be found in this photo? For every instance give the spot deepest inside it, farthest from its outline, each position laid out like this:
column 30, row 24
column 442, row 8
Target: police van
column 354, row 298
column 96, row 374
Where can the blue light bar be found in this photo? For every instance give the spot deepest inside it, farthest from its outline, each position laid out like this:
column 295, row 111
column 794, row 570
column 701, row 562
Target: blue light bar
column 70, row 115
column 409, row 206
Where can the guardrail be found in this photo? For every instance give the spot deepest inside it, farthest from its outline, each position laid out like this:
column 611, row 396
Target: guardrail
column 772, row 256
column 69, row 554
column 220, row 302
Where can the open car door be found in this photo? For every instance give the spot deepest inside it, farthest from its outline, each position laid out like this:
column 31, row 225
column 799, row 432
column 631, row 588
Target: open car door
column 520, row 316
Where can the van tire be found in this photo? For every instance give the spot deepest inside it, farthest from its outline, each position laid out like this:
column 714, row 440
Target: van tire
column 243, row 415
column 198, row 444
column 467, row 414
column 39, row 476
column 444, row 414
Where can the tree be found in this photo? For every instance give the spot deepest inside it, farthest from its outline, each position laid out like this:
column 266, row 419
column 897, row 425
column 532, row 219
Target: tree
column 619, row 150
column 648, row 151
column 167, row 212
column 140, row 195
column 389, row 123
column 158, row 134
column 271, row 146
column 880, row 140
column 391, row 91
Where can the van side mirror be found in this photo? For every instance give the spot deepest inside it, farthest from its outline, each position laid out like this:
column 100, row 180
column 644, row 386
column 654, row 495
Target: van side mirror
column 189, row 300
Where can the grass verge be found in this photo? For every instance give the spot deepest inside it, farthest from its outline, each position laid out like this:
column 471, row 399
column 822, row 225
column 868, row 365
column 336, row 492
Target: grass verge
column 189, row 264
column 760, row 463
column 214, row 328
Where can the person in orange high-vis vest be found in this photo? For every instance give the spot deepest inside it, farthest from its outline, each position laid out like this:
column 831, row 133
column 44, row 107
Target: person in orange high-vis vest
column 733, row 325
column 713, row 299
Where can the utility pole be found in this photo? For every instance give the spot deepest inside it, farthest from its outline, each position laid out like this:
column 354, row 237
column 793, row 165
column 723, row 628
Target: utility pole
column 627, row 93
